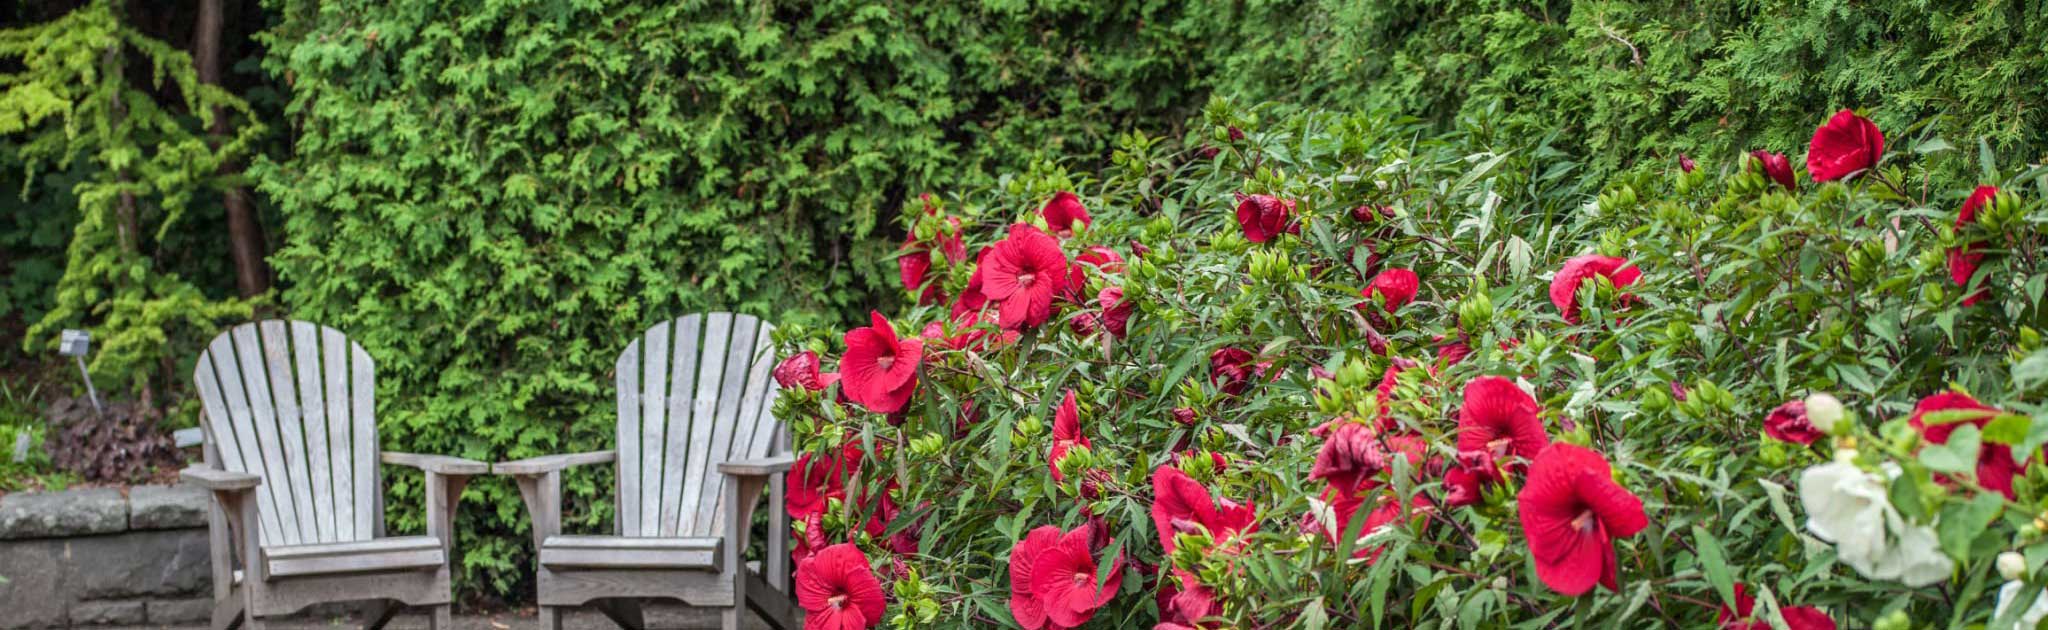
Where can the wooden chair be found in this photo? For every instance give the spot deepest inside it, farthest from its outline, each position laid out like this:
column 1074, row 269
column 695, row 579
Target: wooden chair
column 696, row 447
column 292, row 459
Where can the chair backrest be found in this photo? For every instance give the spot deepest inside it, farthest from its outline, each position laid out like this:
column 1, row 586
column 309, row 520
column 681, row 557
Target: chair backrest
column 292, row 402
column 693, row 392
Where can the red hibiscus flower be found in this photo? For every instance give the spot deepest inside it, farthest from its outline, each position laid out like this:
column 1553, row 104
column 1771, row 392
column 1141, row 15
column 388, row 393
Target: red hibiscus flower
column 1351, row 454
column 1231, row 370
column 1052, row 579
column 1022, row 274
column 1101, row 258
column 1388, row 381
column 1024, row 604
column 1564, row 288
column 813, row 481
column 1062, row 212
column 971, row 299
column 1743, row 616
column 1264, row 217
column 1386, row 510
column 1181, row 504
column 1116, row 313
column 1188, row 606
column 1395, row 288
column 838, row 590
column 801, row 370
column 1371, row 213
column 810, row 540
column 1788, row 423
column 1963, row 260
column 1572, row 510
column 1845, row 145
column 1776, row 167
column 1501, row 419
column 1995, row 464
column 880, row 370
column 1066, row 434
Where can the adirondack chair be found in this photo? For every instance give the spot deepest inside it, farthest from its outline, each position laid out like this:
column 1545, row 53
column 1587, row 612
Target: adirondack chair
column 696, row 447
column 291, row 458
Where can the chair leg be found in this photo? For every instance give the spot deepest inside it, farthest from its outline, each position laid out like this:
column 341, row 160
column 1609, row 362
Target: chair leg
column 729, row 619
column 550, row 618
column 377, row 614
column 227, row 613
column 444, row 617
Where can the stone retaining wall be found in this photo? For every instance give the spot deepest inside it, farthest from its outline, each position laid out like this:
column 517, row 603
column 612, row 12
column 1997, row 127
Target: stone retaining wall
column 94, row 556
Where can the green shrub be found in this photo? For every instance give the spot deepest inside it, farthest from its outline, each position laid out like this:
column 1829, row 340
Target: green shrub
column 1749, row 297
column 1621, row 81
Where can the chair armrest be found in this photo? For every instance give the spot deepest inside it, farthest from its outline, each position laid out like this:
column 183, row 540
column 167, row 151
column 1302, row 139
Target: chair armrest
column 219, row 480
column 552, row 463
column 437, row 464
column 757, row 467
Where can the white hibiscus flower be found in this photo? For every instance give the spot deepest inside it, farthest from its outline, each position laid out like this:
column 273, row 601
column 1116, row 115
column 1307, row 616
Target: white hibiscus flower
column 1849, row 507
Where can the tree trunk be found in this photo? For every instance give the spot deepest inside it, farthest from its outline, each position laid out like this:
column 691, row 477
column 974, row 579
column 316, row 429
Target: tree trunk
column 245, row 235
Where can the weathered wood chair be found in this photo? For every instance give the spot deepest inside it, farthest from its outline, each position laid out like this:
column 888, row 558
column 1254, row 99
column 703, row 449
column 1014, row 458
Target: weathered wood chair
column 292, row 459
column 696, row 447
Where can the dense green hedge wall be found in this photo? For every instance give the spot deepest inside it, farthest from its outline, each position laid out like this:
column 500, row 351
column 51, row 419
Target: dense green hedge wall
column 1619, row 80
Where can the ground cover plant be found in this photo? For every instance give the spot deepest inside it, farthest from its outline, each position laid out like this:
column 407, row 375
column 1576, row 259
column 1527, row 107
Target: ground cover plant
column 1332, row 370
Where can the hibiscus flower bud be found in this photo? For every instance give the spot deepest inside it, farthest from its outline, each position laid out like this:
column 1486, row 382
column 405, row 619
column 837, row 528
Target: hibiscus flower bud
column 1845, row 145
column 1825, row 413
column 1475, row 311
column 2012, row 566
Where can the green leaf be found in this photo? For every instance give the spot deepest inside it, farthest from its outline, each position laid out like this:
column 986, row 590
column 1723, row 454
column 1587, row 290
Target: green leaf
column 2008, row 429
column 1962, row 522
column 1957, row 456
column 1714, row 562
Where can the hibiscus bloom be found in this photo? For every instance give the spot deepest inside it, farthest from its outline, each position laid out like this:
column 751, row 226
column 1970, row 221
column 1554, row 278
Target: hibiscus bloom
column 1788, row 423
column 1500, row 419
column 1062, row 212
column 1963, row 260
column 1351, row 454
column 1052, row 579
column 1181, row 504
column 1370, row 213
column 1743, row 615
column 1333, row 513
column 1852, row 509
column 1572, row 510
column 1845, row 145
column 1777, row 168
column 838, row 591
column 1564, row 288
column 1995, row 464
column 1232, row 369
column 880, row 370
column 801, row 370
column 1066, row 434
column 1103, row 259
column 1265, row 217
column 1022, row 274
column 1395, row 288
column 1189, row 605
column 814, row 481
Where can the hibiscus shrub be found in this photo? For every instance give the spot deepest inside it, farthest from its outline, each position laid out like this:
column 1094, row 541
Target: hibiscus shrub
column 1326, row 371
